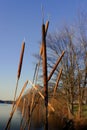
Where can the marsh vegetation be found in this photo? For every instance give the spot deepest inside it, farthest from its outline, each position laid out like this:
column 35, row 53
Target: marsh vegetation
column 57, row 98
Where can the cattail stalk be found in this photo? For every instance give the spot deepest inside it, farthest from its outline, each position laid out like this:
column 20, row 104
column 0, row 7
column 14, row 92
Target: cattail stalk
column 44, row 65
column 42, row 96
column 19, row 71
column 57, row 82
column 55, row 66
column 35, row 72
column 23, row 113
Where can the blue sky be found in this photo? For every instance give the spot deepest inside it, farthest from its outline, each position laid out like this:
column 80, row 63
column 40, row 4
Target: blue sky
column 22, row 19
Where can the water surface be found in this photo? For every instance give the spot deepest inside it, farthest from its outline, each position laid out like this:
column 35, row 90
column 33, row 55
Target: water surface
column 5, row 110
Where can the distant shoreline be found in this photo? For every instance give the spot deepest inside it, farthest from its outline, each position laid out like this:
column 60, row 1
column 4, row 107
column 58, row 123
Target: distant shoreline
column 6, row 102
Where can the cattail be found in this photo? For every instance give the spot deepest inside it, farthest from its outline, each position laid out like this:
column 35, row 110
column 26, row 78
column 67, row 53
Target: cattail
column 55, row 66
column 19, row 71
column 21, row 60
column 58, row 79
column 46, row 27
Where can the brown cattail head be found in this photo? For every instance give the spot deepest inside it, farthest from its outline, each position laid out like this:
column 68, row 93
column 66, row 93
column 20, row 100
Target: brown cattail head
column 44, row 34
column 21, row 60
column 46, row 27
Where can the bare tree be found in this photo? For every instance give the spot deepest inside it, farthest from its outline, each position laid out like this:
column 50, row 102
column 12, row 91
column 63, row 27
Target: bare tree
column 56, row 44
column 72, row 40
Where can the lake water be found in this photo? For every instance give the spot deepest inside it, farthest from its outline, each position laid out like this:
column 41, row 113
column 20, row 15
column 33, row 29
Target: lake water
column 5, row 110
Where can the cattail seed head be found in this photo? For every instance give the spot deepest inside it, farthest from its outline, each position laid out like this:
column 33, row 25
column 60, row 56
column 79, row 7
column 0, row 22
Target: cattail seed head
column 21, row 60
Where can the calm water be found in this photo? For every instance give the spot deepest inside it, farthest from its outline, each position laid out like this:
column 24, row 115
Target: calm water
column 5, row 110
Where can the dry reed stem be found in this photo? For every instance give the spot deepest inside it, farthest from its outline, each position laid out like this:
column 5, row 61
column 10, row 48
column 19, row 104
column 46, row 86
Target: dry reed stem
column 23, row 122
column 16, row 105
column 32, row 102
column 30, row 111
column 35, row 77
column 37, row 72
column 15, row 95
column 55, row 66
column 24, row 101
column 58, row 79
column 49, row 105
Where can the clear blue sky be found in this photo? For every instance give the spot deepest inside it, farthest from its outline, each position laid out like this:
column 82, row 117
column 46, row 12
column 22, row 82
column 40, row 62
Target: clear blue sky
column 21, row 19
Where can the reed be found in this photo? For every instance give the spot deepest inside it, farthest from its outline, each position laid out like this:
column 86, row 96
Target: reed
column 23, row 113
column 19, row 71
column 57, row 82
column 21, row 60
column 24, row 101
column 46, row 27
column 45, row 33
column 55, row 66
column 42, row 96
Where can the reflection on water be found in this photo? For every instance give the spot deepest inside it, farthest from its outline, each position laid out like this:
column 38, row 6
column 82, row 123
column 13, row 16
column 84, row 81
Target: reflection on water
column 5, row 110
